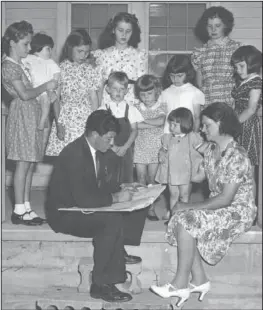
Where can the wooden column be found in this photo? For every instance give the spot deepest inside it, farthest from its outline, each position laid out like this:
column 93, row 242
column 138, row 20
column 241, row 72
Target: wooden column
column 259, row 219
column 4, row 112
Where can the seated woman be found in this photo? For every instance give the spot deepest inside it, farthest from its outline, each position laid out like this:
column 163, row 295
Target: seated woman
column 205, row 230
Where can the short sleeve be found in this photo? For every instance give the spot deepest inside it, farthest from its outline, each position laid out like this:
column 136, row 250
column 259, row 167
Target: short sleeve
column 196, row 58
column 11, row 73
column 199, row 98
column 135, row 115
column 236, row 168
column 143, row 63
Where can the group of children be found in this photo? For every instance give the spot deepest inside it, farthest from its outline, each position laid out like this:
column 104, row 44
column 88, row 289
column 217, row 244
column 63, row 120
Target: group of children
column 159, row 118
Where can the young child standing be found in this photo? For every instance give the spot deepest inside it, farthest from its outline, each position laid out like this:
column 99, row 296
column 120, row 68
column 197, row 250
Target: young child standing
column 178, row 89
column 24, row 142
column 247, row 61
column 128, row 116
column 178, row 157
column 42, row 69
column 148, row 142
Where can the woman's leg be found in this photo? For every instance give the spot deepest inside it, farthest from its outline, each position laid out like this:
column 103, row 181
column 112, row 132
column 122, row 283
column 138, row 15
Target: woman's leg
column 141, row 172
column 186, row 248
column 198, row 272
column 152, row 169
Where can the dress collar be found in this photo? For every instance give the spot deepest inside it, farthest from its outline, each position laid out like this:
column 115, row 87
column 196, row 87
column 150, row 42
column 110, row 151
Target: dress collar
column 154, row 107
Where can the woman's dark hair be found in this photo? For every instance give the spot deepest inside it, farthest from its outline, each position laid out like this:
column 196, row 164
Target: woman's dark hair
column 15, row 32
column 178, row 64
column 146, row 83
column 226, row 116
column 107, row 37
column 77, row 37
column 251, row 55
column 184, row 117
column 102, row 121
column 213, row 12
column 39, row 41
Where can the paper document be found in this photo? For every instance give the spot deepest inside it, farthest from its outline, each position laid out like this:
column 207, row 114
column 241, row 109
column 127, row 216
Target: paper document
column 141, row 199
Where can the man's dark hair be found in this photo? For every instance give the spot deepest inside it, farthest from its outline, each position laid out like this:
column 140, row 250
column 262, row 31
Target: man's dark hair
column 101, row 121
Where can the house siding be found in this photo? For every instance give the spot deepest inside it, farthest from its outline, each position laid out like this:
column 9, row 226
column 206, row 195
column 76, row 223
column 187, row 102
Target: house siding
column 42, row 16
column 248, row 22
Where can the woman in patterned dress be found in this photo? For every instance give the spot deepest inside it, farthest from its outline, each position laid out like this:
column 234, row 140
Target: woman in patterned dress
column 212, row 60
column 23, row 140
column 207, row 229
column 79, row 83
column 247, row 61
column 118, row 51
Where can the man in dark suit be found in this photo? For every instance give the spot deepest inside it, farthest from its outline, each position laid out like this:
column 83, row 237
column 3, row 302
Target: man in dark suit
column 79, row 180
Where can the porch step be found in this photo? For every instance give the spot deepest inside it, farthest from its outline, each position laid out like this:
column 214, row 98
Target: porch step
column 62, row 297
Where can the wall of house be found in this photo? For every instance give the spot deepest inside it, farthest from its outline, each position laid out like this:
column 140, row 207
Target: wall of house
column 54, row 19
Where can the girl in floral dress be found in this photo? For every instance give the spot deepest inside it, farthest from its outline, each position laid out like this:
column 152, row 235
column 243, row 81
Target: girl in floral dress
column 24, row 142
column 212, row 60
column 247, row 61
column 206, row 230
column 119, row 51
column 148, row 141
column 79, row 83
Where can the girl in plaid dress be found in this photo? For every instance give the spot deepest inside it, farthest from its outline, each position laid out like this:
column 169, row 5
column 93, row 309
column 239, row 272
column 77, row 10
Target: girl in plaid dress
column 212, row 60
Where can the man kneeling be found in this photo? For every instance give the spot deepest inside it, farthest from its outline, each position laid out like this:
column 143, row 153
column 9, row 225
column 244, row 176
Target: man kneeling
column 80, row 180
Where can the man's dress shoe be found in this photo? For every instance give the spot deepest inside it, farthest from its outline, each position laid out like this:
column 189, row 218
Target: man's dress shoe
column 109, row 293
column 131, row 259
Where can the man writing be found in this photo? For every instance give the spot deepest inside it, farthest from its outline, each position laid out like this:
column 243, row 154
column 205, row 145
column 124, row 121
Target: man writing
column 80, row 180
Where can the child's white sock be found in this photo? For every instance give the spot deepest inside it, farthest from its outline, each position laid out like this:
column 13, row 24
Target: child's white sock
column 20, row 209
column 28, row 209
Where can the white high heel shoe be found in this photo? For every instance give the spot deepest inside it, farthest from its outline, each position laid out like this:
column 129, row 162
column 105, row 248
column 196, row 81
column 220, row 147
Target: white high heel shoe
column 168, row 290
column 203, row 289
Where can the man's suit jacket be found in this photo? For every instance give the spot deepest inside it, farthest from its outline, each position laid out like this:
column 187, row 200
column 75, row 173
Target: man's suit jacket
column 73, row 183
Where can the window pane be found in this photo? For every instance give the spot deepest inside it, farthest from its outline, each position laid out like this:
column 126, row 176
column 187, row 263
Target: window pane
column 98, row 15
column 158, row 15
column 175, row 21
column 177, row 15
column 195, row 10
column 80, row 16
column 93, row 17
column 158, row 43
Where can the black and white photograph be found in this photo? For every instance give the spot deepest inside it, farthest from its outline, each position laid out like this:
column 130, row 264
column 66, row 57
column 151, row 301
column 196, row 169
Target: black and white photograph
column 131, row 155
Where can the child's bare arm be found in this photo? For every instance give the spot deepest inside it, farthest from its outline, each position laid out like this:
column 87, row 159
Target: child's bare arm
column 254, row 96
column 157, row 121
column 122, row 150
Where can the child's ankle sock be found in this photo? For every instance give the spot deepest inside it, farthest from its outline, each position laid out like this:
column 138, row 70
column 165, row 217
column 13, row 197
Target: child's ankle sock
column 32, row 214
column 20, row 209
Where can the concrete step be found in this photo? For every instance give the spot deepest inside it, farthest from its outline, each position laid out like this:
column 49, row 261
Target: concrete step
column 63, row 297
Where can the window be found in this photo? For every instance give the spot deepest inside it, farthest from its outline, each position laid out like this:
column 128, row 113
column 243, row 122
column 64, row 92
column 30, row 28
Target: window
column 94, row 17
column 171, row 28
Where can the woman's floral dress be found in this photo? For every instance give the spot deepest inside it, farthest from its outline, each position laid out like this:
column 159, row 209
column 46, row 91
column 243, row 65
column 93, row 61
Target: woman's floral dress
column 213, row 61
column 250, row 137
column 132, row 61
column 215, row 230
column 75, row 104
column 23, row 139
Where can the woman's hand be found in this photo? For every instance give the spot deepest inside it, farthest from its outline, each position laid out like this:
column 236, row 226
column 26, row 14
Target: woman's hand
column 61, row 131
column 51, row 85
column 122, row 150
column 162, row 156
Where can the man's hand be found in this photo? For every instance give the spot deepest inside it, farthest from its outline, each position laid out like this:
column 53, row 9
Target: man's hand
column 132, row 186
column 122, row 196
